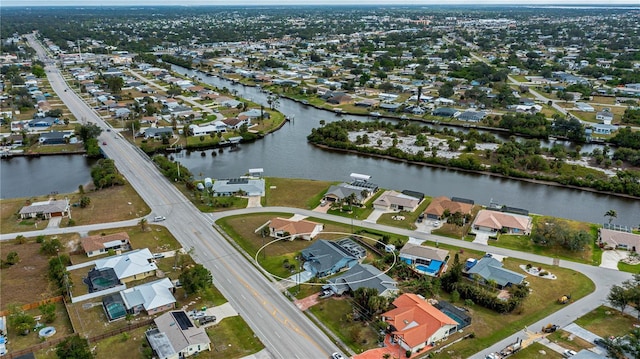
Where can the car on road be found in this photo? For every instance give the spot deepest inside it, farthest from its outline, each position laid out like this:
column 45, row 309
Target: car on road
column 104, row 143
column 337, row 355
column 108, row 130
column 159, row 218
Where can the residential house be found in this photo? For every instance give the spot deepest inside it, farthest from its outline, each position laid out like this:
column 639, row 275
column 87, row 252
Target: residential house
column 47, row 209
column 424, row 259
column 445, row 112
column 396, row 201
column 363, row 276
column 488, row 220
column 292, row 229
column 99, row 244
column 489, row 270
column 340, row 99
column 602, row 129
column 158, row 132
column 231, row 187
column 391, row 107
column 176, row 336
column 324, row 258
column 605, row 116
column 254, row 113
column 130, row 266
column 584, row 107
column 417, row 325
column 42, row 122
column 471, row 116
column 205, row 129
column 619, row 240
column 152, row 298
column 338, row 193
column 237, row 122
column 53, row 138
column 441, row 205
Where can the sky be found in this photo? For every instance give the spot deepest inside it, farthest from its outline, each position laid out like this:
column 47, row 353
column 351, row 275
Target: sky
column 306, row 2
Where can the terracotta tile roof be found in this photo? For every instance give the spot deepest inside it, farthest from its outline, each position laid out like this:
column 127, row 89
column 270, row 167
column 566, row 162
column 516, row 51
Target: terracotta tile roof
column 439, row 204
column 498, row 220
column 293, row 227
column 415, row 320
column 97, row 242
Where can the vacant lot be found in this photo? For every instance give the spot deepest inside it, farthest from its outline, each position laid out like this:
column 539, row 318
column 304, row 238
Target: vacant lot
column 536, row 351
column 299, row 193
column 232, row 338
column 32, row 269
column 108, row 205
column 606, row 322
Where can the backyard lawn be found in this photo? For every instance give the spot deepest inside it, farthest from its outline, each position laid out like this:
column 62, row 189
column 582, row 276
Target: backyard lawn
column 606, row 321
column 336, row 314
column 61, row 324
column 130, row 345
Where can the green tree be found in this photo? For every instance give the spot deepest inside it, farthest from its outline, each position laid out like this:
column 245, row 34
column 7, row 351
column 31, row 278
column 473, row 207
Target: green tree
column 619, row 297
column 114, row 84
column 143, row 224
column 74, row 348
column 196, row 279
column 20, row 321
column 50, row 246
column 48, row 311
column 85, row 201
column 12, row 258
column 88, row 131
column 611, row 214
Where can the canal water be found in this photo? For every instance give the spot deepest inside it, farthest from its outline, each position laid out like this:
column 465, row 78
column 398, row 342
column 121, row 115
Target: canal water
column 286, row 153
column 29, row 176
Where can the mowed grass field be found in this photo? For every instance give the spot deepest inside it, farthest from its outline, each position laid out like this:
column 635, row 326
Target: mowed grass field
column 112, row 204
column 299, row 193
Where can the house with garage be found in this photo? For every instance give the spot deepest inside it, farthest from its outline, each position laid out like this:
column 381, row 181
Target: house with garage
column 151, row 298
column 135, row 265
column 47, row 209
column 396, row 201
column 176, row 336
column 489, row 270
column 324, row 258
column 236, row 122
column 619, row 240
column 40, row 123
column 244, row 185
column 206, row 129
column 424, row 259
column 493, row 221
column 604, row 129
column 417, row 325
column 440, row 206
column 363, row 276
column 292, row 229
column 99, row 244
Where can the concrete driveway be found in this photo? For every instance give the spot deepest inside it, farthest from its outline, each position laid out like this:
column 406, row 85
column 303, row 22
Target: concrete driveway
column 482, row 237
column 254, row 201
column 610, row 259
column 375, row 215
column 579, row 331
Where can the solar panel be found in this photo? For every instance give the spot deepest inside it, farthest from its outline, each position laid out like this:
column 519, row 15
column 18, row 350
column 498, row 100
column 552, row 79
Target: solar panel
column 182, row 320
column 238, row 181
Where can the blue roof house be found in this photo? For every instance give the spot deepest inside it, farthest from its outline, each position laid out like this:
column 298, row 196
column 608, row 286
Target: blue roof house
column 490, row 269
column 324, row 258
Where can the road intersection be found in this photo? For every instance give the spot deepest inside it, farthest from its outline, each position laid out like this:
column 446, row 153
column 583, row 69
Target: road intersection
column 285, row 330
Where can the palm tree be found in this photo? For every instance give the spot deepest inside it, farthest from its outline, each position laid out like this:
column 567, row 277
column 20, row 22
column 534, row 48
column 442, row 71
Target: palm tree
column 419, row 95
column 611, row 214
column 143, row 224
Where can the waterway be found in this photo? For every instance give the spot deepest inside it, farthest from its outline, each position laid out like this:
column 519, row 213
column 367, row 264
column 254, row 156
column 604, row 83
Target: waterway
column 29, row 176
column 286, row 153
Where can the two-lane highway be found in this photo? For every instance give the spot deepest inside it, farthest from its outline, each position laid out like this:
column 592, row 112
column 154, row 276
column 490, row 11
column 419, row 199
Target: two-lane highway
column 285, row 331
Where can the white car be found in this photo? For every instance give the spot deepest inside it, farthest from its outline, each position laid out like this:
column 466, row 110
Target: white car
column 337, row 355
column 436, row 223
column 159, row 218
column 568, row 353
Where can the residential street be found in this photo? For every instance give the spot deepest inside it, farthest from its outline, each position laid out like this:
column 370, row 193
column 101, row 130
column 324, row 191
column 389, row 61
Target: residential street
column 278, row 323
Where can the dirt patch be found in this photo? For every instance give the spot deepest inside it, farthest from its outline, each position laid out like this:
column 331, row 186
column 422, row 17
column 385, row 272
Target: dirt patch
column 31, row 269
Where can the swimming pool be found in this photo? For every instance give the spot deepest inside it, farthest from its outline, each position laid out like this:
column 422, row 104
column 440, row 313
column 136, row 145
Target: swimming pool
column 432, row 268
column 461, row 322
column 115, row 311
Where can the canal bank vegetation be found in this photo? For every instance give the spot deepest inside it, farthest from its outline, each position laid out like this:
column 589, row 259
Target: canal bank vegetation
column 473, row 151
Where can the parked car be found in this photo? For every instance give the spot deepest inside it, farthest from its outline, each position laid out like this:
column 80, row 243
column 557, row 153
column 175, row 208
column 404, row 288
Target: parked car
column 207, row 319
column 325, row 294
column 337, row 355
column 568, row 353
column 158, row 218
column 600, row 342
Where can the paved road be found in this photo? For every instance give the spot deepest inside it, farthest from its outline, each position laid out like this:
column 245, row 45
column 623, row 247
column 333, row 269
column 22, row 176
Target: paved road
column 285, row 331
